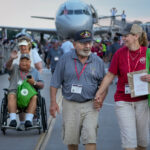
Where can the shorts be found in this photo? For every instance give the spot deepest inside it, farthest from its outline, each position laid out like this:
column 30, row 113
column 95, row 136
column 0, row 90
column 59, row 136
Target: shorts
column 133, row 118
column 12, row 92
column 80, row 120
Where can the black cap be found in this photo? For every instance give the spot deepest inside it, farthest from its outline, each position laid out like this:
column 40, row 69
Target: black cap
column 83, row 36
column 27, row 56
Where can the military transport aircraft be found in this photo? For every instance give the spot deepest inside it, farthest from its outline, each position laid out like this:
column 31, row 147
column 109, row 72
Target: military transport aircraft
column 72, row 16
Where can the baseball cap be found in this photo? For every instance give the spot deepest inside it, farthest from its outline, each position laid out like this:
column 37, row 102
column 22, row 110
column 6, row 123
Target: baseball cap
column 131, row 29
column 25, row 56
column 83, row 36
column 54, row 41
column 97, row 40
column 23, row 42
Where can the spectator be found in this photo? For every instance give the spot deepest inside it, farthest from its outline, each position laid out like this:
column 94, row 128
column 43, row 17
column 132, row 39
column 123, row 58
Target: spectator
column 67, row 46
column 54, row 55
column 114, row 47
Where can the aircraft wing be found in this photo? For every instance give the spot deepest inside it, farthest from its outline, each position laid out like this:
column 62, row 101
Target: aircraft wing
column 41, row 17
column 121, row 24
column 39, row 30
column 105, row 29
column 105, row 17
column 101, row 30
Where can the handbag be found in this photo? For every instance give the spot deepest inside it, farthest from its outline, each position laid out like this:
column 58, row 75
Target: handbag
column 24, row 93
column 148, row 68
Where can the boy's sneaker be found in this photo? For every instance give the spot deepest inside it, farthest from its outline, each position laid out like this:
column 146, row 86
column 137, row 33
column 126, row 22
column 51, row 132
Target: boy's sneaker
column 13, row 123
column 28, row 124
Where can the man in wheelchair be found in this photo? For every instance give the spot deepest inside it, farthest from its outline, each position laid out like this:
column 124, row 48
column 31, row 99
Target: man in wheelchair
column 19, row 73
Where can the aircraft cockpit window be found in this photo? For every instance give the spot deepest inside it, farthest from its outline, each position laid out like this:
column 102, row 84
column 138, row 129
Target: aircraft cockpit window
column 62, row 12
column 68, row 12
column 78, row 11
column 86, row 12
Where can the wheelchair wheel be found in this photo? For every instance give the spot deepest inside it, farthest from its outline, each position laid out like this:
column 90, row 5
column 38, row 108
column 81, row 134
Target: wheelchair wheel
column 43, row 114
column 3, row 115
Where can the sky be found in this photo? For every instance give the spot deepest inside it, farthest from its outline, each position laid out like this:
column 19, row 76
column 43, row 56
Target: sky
column 18, row 12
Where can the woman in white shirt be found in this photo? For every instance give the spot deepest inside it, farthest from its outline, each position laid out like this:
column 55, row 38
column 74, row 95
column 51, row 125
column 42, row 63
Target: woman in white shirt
column 25, row 46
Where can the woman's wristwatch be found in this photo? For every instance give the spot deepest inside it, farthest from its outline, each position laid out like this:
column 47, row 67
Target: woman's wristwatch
column 35, row 83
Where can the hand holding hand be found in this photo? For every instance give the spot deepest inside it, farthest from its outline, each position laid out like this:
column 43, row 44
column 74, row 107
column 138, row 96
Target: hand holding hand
column 98, row 101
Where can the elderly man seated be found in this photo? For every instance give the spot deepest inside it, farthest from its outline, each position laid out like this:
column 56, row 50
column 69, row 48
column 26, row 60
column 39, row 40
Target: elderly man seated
column 18, row 73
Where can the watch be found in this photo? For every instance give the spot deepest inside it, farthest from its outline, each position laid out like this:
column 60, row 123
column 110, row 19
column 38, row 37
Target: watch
column 35, row 83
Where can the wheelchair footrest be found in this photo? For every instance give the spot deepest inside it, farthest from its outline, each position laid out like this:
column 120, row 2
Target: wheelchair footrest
column 33, row 127
column 8, row 127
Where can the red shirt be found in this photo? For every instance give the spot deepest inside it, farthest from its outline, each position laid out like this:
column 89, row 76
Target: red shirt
column 120, row 67
column 97, row 51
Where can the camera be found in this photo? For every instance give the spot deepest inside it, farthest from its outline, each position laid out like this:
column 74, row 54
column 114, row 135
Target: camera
column 29, row 76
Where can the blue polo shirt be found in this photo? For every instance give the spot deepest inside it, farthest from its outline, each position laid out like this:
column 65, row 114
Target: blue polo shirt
column 52, row 55
column 65, row 75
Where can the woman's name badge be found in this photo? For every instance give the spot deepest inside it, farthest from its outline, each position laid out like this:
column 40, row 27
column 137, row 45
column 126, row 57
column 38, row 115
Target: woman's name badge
column 76, row 89
column 127, row 89
column 56, row 58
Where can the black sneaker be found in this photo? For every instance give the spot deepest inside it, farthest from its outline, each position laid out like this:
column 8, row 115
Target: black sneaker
column 28, row 124
column 13, row 123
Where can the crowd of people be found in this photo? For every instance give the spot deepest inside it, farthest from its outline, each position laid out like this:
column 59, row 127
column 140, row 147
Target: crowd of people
column 78, row 68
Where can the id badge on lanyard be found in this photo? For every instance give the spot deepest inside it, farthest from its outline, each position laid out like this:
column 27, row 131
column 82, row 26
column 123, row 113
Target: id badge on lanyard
column 19, row 82
column 75, row 88
column 127, row 89
column 56, row 58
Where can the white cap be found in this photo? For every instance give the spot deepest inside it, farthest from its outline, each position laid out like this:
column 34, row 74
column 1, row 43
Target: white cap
column 24, row 42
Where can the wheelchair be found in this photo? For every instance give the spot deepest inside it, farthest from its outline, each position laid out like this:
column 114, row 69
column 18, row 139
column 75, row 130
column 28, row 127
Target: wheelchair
column 40, row 114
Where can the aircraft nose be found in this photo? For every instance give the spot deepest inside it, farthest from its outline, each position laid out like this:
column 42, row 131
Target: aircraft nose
column 78, row 22
column 69, row 25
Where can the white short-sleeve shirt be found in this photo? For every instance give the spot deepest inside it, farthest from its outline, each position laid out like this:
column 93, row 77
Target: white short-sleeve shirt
column 67, row 47
column 34, row 57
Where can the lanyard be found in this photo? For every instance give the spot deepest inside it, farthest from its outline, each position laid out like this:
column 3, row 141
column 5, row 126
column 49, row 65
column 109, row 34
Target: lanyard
column 23, row 76
column 129, row 66
column 78, row 75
